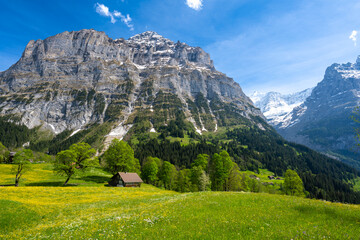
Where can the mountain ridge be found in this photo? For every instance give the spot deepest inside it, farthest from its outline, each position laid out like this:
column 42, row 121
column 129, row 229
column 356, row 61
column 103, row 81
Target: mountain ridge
column 323, row 121
column 73, row 79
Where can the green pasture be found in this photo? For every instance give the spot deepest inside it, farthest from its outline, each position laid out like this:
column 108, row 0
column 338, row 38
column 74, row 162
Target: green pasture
column 90, row 210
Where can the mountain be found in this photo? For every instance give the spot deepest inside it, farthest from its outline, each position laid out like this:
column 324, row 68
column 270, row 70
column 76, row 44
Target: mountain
column 165, row 98
column 277, row 107
column 324, row 121
column 73, row 80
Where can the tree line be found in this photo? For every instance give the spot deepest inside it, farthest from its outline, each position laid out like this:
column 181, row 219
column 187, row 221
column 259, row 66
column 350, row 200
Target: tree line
column 216, row 173
column 252, row 149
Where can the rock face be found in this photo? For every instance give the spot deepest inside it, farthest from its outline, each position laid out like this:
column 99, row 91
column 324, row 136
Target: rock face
column 323, row 122
column 74, row 79
column 277, row 107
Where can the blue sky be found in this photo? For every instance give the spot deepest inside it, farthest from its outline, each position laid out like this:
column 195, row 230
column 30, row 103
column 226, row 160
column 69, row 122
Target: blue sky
column 265, row 45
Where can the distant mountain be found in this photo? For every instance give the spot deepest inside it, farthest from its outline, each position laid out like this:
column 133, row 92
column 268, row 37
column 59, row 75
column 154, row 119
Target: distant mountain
column 277, row 107
column 323, row 122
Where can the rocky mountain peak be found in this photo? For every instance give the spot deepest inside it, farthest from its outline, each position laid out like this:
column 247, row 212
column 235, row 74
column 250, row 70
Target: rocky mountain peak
column 151, row 44
column 151, row 39
column 347, row 70
column 147, row 36
column 323, row 121
column 64, row 44
column 74, row 79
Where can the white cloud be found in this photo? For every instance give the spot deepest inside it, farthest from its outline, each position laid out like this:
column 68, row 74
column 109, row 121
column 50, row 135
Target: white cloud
column 125, row 19
column 104, row 11
column 195, row 4
column 353, row 36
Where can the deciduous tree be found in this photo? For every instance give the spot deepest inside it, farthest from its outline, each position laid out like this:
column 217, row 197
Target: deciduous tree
column 237, row 181
column 78, row 158
column 199, row 179
column 220, row 169
column 149, row 170
column 168, row 175
column 119, row 157
column 84, row 153
column 202, row 160
column 21, row 163
column 293, row 184
column 184, row 180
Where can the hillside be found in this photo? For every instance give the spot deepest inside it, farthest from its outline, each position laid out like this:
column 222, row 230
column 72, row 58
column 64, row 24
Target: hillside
column 91, row 210
column 253, row 148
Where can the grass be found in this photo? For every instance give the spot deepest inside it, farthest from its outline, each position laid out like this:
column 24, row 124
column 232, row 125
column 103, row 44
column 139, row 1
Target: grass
column 92, row 211
column 134, row 138
column 221, row 132
column 43, row 175
column 186, row 140
column 263, row 175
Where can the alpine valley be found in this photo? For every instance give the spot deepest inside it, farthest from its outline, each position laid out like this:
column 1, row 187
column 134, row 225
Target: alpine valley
column 320, row 118
column 167, row 100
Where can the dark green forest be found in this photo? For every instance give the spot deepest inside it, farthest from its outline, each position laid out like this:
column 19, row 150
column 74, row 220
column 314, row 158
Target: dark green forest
column 12, row 134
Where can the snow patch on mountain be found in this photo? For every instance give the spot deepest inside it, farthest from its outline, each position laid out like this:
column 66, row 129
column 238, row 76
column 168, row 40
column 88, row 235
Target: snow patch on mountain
column 349, row 70
column 277, row 107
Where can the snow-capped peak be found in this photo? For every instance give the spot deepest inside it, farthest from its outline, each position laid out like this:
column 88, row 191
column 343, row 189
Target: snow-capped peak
column 349, row 70
column 149, row 37
column 276, row 106
column 257, row 96
column 147, row 34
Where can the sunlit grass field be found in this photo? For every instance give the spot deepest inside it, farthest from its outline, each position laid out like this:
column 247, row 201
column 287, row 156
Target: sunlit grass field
column 89, row 210
column 43, row 175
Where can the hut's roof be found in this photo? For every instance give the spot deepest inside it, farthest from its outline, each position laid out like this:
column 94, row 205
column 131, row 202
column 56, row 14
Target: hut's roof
column 130, row 177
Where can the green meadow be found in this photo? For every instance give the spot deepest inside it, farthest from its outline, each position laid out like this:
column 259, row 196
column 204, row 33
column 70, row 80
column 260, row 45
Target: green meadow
column 42, row 209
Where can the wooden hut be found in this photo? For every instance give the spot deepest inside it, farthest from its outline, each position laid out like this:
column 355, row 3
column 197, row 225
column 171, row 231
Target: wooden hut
column 125, row 179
